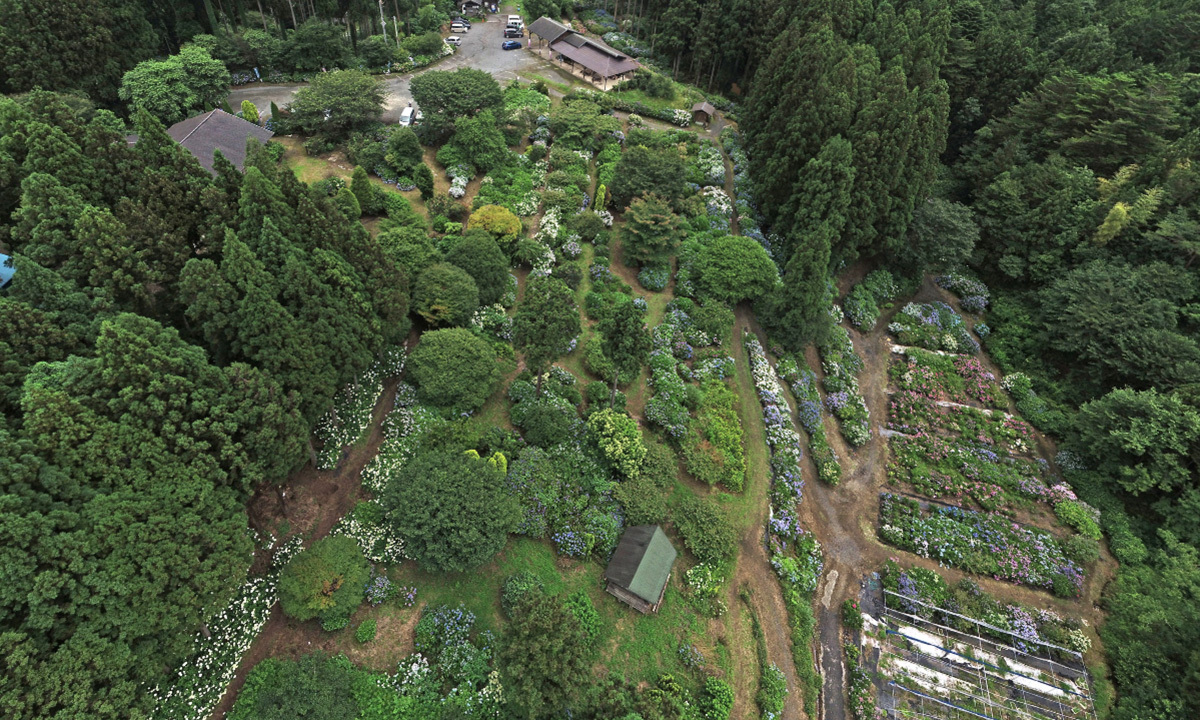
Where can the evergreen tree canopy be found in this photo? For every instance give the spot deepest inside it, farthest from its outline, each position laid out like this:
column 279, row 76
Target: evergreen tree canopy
column 451, row 509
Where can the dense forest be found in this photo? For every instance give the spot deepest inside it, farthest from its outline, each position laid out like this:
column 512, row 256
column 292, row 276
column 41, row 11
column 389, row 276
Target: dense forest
column 175, row 337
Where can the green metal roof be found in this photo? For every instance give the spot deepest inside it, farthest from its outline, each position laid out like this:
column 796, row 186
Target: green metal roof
column 642, row 562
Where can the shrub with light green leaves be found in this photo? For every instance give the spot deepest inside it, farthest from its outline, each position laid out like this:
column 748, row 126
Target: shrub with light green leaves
column 365, row 632
column 580, row 605
column 620, row 440
column 1076, row 515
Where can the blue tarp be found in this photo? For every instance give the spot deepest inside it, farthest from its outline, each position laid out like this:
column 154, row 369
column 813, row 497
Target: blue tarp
column 6, row 270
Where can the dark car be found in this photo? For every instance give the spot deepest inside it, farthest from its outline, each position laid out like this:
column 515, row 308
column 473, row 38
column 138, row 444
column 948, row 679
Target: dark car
column 461, row 19
column 513, row 33
column 511, row 45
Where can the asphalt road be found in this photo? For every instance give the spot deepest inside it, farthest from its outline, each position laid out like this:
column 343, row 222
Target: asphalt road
column 480, row 49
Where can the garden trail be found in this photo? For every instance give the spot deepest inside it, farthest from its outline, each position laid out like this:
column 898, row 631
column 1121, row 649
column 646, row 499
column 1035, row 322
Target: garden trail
column 311, row 503
column 753, row 565
column 844, row 517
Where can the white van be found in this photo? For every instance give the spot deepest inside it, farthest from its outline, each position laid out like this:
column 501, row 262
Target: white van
column 454, row 40
column 459, row 27
column 514, row 21
column 406, row 116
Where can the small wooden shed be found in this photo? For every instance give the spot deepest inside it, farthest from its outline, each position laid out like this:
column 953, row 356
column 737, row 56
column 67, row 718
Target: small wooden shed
column 702, row 112
column 639, row 570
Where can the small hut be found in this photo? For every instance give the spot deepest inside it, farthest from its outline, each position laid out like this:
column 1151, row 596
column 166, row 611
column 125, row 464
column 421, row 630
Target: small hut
column 638, row 572
column 702, row 112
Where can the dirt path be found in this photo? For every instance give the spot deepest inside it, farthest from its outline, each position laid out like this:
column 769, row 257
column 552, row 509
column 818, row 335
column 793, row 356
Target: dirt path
column 753, row 565
column 314, row 501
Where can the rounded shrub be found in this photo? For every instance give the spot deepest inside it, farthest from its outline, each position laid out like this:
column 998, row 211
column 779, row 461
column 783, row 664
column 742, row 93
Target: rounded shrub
column 325, row 581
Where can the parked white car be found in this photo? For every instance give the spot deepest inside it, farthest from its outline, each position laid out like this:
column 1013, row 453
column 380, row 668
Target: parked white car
column 454, row 40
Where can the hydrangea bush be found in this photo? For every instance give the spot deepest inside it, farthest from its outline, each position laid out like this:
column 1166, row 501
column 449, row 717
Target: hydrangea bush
column 863, row 301
column 809, row 412
column 566, row 495
column 378, row 541
column 841, row 366
column 712, row 166
column 402, row 430
column 973, row 295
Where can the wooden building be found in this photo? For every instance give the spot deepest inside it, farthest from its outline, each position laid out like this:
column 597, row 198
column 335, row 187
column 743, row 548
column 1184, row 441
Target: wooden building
column 702, row 112
column 640, row 568
column 594, row 60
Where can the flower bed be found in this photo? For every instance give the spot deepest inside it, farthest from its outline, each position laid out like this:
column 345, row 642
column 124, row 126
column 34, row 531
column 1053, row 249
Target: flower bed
column 402, row 431
column 843, row 398
column 675, row 340
column 795, row 554
column 966, row 598
column 933, row 326
column 862, row 688
column 510, row 186
column 965, row 452
column 196, row 686
column 787, row 485
column 863, row 301
column 713, row 451
column 518, row 97
column 982, row 543
column 350, row 415
column 809, row 411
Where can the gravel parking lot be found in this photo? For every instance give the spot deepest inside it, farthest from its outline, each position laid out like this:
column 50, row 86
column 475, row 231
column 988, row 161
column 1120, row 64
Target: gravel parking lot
column 480, row 49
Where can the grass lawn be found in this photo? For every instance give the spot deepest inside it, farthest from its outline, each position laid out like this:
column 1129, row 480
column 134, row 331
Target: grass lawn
column 682, row 100
column 640, row 647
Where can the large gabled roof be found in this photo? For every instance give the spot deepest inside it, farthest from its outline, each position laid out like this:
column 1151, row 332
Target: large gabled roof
column 217, row 130
column 594, row 55
column 642, row 562
column 547, row 29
